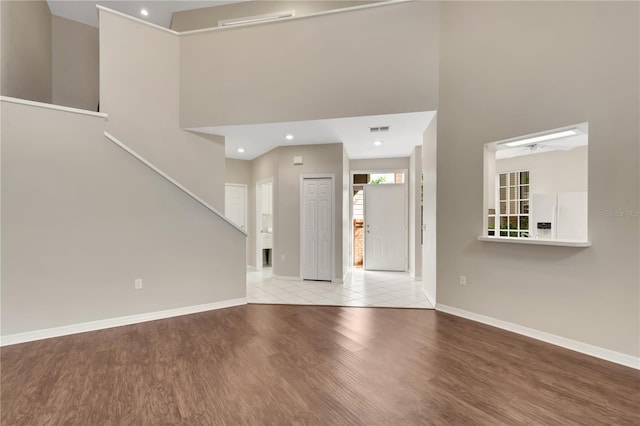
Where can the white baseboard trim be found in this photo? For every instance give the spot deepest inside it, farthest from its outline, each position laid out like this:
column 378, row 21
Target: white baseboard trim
column 285, row 278
column 29, row 336
column 251, row 268
column 585, row 348
column 343, row 279
column 433, row 303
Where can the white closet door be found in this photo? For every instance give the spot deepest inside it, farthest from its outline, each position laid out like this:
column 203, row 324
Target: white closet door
column 235, row 204
column 317, row 238
column 384, row 224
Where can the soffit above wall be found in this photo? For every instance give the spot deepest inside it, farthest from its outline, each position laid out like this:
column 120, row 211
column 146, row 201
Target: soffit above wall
column 405, row 132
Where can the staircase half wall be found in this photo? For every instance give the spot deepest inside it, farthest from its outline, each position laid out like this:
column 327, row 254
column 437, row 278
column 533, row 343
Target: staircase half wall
column 82, row 219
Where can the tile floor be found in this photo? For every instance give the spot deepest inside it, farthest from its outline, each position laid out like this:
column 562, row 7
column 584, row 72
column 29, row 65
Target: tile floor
column 362, row 288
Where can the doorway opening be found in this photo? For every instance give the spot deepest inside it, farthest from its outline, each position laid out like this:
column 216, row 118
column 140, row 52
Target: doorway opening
column 359, row 183
column 264, row 224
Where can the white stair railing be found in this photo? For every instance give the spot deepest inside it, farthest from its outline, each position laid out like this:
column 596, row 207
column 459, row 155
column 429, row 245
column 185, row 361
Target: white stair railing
column 171, row 180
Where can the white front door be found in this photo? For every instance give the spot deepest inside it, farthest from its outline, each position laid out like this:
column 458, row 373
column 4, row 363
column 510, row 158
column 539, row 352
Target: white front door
column 234, row 204
column 384, row 225
column 317, row 235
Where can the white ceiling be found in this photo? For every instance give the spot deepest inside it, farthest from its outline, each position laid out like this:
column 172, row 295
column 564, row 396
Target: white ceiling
column 160, row 11
column 562, row 144
column 405, row 132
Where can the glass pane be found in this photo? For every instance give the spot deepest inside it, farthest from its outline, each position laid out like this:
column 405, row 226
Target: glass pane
column 503, row 193
column 492, row 211
column 524, row 207
column 513, row 222
column 503, row 179
column 378, row 178
column 503, row 207
column 513, row 234
column 524, row 222
column 513, row 207
column 524, row 235
column 503, row 233
column 360, row 179
column 513, row 193
column 504, row 221
column 492, row 223
column 524, row 192
column 492, row 233
column 524, row 178
column 513, row 178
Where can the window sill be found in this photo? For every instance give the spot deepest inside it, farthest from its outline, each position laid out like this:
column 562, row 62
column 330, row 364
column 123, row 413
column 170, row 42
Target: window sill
column 563, row 243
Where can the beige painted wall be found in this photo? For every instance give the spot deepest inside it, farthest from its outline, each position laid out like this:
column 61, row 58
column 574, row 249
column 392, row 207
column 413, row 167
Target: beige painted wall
column 82, row 219
column 26, row 50
column 208, row 17
column 139, row 89
column 415, row 223
column 552, row 172
column 430, row 166
column 373, row 61
column 514, row 68
column 318, row 159
column 75, row 68
column 380, row 164
column 346, row 212
column 277, row 164
column 237, row 171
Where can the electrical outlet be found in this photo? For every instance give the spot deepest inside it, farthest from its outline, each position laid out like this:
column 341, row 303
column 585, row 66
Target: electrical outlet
column 463, row 280
column 138, row 283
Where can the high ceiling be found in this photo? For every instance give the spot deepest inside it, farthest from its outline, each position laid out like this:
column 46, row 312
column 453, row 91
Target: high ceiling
column 160, row 11
column 405, row 132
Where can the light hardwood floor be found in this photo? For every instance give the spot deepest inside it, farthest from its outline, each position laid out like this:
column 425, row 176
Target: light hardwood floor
column 287, row 364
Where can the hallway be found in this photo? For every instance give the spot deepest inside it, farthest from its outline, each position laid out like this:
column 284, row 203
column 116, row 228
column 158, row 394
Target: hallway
column 362, row 288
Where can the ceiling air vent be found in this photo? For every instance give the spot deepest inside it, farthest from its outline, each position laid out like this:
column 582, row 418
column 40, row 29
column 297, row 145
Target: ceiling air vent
column 257, row 18
column 379, row 129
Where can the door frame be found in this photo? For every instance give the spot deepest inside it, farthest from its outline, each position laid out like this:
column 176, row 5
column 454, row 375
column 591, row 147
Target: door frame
column 331, row 176
column 258, row 221
column 246, row 199
column 406, row 209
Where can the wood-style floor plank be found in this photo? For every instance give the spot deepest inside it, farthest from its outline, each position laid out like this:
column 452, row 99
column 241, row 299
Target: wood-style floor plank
column 311, row 365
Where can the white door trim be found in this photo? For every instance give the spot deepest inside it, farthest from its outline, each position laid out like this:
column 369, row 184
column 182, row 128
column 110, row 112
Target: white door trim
column 331, row 176
column 406, row 208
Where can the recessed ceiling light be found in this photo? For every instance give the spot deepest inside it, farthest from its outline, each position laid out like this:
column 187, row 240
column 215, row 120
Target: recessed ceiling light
column 240, row 150
column 377, row 143
column 144, row 12
column 289, row 137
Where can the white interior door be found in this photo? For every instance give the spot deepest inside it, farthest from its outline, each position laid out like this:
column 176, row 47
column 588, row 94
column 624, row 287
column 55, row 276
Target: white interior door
column 317, row 235
column 235, row 204
column 384, row 224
